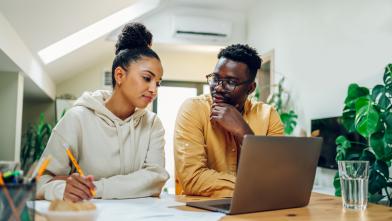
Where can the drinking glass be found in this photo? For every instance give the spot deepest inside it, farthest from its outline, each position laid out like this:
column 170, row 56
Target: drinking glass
column 354, row 179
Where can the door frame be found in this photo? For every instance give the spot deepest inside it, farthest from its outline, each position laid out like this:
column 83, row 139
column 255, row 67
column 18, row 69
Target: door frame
column 268, row 57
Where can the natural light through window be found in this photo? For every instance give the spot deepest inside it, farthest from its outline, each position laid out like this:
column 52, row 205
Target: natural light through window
column 169, row 102
column 96, row 30
column 206, row 89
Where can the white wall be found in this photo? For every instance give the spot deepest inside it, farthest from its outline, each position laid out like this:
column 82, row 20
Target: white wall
column 11, row 99
column 187, row 66
column 322, row 46
column 88, row 80
column 13, row 46
column 177, row 65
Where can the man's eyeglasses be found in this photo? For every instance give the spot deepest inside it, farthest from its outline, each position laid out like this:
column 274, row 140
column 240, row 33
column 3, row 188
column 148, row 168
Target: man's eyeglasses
column 227, row 84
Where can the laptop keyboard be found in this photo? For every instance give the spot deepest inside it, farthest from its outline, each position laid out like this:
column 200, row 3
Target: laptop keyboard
column 225, row 206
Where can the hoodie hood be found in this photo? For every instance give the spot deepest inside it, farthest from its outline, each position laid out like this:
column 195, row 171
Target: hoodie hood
column 95, row 101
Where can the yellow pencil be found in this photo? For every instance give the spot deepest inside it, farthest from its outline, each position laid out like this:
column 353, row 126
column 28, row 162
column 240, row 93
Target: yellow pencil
column 9, row 199
column 43, row 166
column 75, row 163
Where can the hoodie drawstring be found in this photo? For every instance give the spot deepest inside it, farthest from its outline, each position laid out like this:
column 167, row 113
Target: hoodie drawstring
column 121, row 147
column 133, row 140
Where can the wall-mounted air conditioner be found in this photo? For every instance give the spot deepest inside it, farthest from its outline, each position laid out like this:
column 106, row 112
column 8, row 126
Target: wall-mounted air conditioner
column 201, row 28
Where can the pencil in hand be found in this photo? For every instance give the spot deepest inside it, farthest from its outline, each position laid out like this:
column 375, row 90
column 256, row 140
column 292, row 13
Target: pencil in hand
column 75, row 163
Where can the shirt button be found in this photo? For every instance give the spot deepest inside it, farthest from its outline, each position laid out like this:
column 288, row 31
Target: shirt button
column 233, row 149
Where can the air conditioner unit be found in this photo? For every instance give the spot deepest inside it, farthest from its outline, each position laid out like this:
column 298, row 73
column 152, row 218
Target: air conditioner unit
column 201, row 28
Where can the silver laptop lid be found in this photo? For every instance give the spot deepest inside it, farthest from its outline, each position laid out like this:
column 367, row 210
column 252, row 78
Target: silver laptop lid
column 275, row 173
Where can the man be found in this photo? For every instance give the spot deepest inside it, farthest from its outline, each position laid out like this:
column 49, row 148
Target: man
column 210, row 128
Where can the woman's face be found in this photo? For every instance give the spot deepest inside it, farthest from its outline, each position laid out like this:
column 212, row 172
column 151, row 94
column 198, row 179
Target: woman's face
column 139, row 84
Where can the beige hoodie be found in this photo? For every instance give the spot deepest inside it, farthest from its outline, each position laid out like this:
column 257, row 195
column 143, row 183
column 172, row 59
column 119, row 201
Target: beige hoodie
column 126, row 157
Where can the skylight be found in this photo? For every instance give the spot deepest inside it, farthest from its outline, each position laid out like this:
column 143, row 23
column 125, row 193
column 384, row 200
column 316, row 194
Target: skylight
column 96, row 30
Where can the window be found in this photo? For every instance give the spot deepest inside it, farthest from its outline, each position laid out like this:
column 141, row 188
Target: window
column 171, row 95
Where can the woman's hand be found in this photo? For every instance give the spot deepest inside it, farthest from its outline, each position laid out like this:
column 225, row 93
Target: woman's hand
column 78, row 187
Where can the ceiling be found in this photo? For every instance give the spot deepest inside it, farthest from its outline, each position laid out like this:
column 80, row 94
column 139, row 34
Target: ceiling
column 42, row 23
column 31, row 90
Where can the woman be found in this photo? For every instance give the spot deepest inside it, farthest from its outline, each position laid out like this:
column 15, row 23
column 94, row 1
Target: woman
column 114, row 139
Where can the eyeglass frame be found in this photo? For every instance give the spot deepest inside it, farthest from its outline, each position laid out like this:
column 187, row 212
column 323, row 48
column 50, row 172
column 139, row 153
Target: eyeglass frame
column 220, row 81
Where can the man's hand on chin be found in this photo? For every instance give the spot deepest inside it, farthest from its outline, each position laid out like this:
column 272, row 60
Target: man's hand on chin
column 228, row 117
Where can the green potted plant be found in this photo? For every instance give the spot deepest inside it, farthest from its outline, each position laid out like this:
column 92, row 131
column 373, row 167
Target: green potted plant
column 280, row 99
column 369, row 114
column 34, row 142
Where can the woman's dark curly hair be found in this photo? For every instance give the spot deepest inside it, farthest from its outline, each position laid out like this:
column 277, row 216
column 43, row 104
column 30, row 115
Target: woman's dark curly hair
column 133, row 43
column 245, row 54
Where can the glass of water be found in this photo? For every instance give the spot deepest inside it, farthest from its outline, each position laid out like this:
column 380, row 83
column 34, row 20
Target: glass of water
column 354, row 178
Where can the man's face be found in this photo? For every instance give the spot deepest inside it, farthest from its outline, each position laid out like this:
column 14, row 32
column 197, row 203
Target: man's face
column 232, row 72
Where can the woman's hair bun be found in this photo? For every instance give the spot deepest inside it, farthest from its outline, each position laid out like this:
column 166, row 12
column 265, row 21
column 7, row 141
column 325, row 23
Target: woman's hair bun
column 133, row 35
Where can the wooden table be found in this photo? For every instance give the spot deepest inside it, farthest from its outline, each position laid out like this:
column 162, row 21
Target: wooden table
column 321, row 207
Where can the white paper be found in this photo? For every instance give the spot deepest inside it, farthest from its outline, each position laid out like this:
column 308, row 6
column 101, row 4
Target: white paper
column 150, row 208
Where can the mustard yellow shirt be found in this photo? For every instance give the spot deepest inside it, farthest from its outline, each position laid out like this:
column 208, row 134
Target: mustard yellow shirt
column 205, row 154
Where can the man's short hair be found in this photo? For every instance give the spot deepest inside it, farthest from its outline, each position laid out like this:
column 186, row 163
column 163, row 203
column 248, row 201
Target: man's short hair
column 243, row 53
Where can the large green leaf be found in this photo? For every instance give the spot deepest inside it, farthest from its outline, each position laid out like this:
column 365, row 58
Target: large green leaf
column 377, row 143
column 342, row 146
column 355, row 92
column 289, row 120
column 367, row 117
column 376, row 182
column 387, row 118
column 381, row 126
column 388, row 76
column 361, row 102
column 368, row 156
column 348, row 119
column 388, row 145
column 352, row 155
column 382, row 168
column 378, row 176
column 388, row 153
column 374, row 198
column 379, row 96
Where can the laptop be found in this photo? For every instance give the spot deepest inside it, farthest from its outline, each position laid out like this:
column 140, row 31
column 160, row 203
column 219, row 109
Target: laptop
column 273, row 173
